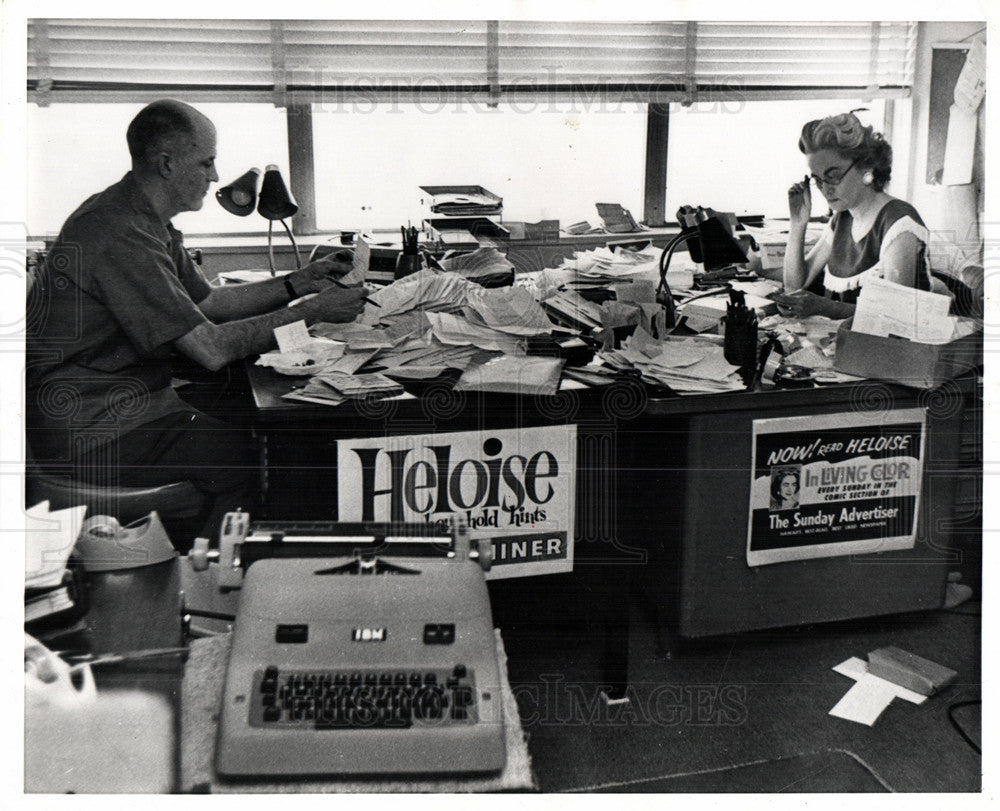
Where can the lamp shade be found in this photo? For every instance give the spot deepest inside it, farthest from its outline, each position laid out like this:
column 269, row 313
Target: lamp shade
column 688, row 219
column 240, row 196
column 276, row 202
column 718, row 247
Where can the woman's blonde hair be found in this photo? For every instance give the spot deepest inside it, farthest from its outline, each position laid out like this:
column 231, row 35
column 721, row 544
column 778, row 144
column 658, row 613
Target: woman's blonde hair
column 847, row 135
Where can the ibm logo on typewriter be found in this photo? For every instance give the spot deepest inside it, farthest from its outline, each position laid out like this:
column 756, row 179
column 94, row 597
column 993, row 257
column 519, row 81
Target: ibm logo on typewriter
column 368, row 635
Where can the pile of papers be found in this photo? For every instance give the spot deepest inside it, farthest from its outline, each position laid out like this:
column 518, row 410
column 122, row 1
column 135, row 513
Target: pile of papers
column 571, row 309
column 466, row 204
column 428, row 323
column 484, row 266
column 420, row 359
column 608, row 264
column 512, row 310
column 694, row 364
column 425, row 290
column 313, row 357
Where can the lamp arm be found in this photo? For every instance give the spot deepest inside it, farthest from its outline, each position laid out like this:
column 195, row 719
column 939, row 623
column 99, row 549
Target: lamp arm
column 665, row 258
column 270, row 247
column 667, row 255
column 298, row 259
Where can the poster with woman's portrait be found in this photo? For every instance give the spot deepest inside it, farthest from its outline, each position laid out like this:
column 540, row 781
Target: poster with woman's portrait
column 841, row 484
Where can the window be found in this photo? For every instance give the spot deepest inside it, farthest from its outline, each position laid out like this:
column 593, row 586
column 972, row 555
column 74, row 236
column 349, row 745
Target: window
column 547, row 161
column 75, row 150
column 742, row 157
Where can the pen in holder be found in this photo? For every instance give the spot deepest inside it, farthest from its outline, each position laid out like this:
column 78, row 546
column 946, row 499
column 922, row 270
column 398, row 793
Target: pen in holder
column 409, row 259
column 740, row 344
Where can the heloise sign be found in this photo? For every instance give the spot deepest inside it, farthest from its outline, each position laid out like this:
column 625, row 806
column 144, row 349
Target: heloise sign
column 515, row 487
column 839, row 484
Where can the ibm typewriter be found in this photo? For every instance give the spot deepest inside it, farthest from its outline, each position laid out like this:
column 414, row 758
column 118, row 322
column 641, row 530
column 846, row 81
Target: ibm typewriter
column 358, row 649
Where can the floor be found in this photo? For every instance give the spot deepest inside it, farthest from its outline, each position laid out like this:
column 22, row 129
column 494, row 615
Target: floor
column 748, row 713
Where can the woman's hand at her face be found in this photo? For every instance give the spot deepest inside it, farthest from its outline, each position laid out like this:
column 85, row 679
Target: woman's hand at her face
column 800, row 202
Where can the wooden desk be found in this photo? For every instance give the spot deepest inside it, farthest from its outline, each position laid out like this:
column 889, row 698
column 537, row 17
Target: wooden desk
column 663, row 490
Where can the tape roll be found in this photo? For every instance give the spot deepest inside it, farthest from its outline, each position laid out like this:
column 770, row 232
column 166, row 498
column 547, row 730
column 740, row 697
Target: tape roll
column 771, row 366
column 101, row 526
column 106, row 546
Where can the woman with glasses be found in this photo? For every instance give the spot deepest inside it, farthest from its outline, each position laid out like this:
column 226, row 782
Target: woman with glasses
column 870, row 233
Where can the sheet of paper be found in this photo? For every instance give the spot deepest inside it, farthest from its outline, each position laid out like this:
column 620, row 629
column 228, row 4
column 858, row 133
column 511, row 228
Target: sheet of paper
column 810, row 357
column 454, row 330
column 359, row 267
column 514, row 375
column 350, row 362
column 292, row 337
column 638, row 291
column 870, row 695
column 49, row 538
column 885, row 308
column 482, row 263
column 575, row 307
column 508, row 309
column 971, row 85
column 359, row 386
column 619, row 314
column 311, row 358
column 676, row 354
column 304, row 397
column 761, row 288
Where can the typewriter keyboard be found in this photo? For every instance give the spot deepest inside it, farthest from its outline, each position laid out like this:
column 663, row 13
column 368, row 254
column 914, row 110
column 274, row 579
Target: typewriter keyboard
column 362, row 699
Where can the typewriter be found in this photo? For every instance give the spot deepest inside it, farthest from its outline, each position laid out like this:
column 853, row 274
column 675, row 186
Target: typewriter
column 359, row 651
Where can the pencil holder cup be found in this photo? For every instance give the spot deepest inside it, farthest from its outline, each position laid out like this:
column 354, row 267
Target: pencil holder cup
column 740, row 343
column 407, row 264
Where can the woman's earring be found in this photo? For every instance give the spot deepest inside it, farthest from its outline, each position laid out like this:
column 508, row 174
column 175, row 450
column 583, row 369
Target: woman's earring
column 867, row 178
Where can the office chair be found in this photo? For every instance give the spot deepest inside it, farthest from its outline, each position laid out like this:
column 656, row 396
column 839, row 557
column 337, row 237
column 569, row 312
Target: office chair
column 966, row 301
column 180, row 505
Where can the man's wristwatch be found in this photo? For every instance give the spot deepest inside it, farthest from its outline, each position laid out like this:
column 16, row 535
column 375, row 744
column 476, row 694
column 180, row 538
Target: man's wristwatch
column 291, row 290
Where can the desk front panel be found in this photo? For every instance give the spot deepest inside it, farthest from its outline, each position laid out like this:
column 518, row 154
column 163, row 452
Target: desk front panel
column 700, row 574
column 663, row 491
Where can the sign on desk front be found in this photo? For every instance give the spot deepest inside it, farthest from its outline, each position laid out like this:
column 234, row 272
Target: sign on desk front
column 515, row 487
column 837, row 484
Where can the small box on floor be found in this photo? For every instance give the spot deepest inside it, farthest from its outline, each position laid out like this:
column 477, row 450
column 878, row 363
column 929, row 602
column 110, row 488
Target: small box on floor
column 909, row 670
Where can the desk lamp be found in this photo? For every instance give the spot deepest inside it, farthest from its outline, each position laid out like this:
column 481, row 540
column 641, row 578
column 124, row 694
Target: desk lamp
column 275, row 203
column 715, row 247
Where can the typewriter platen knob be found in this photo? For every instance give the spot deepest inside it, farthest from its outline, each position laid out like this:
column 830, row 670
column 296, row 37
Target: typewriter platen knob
column 200, row 555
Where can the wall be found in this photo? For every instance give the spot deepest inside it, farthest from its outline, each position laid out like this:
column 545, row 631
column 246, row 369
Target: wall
column 954, row 239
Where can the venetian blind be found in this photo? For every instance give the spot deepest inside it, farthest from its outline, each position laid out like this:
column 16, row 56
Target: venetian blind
column 378, row 60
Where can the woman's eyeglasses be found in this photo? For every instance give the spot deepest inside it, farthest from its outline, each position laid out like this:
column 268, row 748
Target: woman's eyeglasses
column 832, row 180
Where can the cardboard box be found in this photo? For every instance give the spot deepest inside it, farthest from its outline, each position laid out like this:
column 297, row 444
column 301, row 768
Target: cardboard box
column 897, row 360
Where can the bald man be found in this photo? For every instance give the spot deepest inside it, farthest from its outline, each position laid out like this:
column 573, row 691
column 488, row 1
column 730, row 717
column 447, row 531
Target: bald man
column 118, row 297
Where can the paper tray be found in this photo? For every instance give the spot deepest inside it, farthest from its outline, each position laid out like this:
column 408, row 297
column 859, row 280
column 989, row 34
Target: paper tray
column 476, row 191
column 922, row 366
column 477, row 226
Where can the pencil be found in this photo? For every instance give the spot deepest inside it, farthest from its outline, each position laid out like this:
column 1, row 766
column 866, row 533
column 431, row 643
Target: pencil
column 348, row 287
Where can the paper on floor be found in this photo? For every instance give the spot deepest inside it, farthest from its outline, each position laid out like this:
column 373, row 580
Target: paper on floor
column 870, row 695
